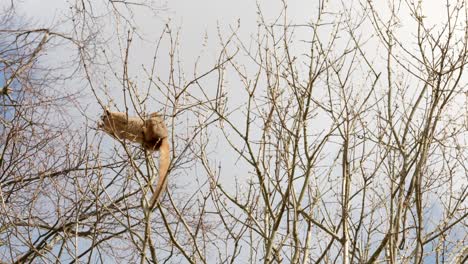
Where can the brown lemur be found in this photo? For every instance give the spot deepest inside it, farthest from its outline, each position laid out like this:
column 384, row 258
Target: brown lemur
column 150, row 131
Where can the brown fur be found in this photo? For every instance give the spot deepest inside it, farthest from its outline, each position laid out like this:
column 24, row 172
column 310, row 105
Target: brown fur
column 150, row 132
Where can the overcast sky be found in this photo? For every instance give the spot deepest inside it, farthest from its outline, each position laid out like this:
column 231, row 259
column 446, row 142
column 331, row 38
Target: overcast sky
column 198, row 20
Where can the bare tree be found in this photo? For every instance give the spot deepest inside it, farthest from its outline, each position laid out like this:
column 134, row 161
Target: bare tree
column 341, row 139
column 353, row 158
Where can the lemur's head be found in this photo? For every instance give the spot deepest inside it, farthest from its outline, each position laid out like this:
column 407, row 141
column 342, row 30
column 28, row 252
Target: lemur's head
column 105, row 122
column 110, row 121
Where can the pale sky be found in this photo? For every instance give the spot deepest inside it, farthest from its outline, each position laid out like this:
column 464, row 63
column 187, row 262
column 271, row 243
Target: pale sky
column 198, row 21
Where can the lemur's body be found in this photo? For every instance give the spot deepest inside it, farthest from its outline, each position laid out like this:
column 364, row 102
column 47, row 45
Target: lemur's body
column 150, row 132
